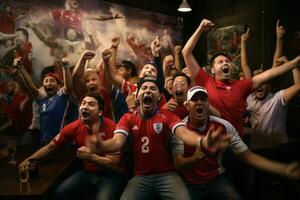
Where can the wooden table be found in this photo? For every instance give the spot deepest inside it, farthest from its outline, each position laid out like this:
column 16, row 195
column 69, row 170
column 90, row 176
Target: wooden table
column 51, row 171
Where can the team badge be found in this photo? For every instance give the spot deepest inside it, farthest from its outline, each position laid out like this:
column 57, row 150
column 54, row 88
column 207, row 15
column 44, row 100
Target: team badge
column 157, row 127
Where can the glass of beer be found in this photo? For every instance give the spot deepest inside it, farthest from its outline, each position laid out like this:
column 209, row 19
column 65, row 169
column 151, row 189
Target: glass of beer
column 23, row 174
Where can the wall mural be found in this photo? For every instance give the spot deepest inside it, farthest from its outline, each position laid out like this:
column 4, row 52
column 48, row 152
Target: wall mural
column 226, row 39
column 43, row 32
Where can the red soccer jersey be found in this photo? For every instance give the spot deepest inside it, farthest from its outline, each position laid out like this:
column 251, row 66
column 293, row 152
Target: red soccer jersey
column 228, row 98
column 77, row 131
column 128, row 87
column 150, row 140
column 7, row 23
column 67, row 18
column 207, row 168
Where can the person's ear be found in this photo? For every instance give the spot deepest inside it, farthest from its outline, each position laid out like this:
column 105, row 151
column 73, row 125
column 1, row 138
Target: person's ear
column 100, row 113
column 185, row 103
column 159, row 98
column 212, row 70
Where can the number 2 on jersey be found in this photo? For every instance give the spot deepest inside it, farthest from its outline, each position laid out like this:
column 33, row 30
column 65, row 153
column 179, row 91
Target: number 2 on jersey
column 145, row 147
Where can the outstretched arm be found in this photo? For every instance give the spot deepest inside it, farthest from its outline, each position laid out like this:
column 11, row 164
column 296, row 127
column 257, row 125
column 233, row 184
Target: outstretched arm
column 290, row 170
column 104, row 17
column 187, row 51
column 262, row 78
column 114, row 144
column 42, row 36
column 41, row 153
column 293, row 90
column 280, row 31
column 244, row 60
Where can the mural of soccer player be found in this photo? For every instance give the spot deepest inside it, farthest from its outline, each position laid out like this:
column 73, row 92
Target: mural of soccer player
column 73, row 16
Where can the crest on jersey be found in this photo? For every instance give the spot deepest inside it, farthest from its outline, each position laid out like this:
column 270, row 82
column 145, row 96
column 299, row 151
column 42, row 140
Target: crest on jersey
column 157, row 127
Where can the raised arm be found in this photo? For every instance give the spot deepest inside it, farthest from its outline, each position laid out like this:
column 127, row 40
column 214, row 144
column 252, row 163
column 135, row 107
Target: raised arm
column 168, row 61
column 68, row 83
column 42, row 36
column 177, row 52
column 110, row 70
column 187, row 51
column 262, row 78
column 293, row 90
column 244, row 60
column 155, row 49
column 280, row 31
column 26, row 78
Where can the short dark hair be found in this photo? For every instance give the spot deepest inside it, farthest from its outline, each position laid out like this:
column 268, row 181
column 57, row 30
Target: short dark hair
column 216, row 55
column 148, row 79
column 129, row 66
column 24, row 31
column 98, row 98
column 188, row 79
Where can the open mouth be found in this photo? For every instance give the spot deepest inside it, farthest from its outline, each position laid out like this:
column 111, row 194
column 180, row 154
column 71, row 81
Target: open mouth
column 259, row 90
column 178, row 93
column 92, row 89
column 226, row 70
column 85, row 114
column 199, row 110
column 49, row 90
column 147, row 100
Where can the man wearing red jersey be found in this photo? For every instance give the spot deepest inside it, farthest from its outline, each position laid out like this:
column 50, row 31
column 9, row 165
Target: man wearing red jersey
column 226, row 95
column 100, row 170
column 202, row 170
column 149, row 129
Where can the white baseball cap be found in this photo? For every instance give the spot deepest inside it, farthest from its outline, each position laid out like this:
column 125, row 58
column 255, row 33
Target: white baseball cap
column 194, row 90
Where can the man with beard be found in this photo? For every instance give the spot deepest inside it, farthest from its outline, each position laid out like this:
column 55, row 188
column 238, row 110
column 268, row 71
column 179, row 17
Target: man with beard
column 149, row 129
column 202, row 169
column 57, row 107
column 100, row 170
column 226, row 95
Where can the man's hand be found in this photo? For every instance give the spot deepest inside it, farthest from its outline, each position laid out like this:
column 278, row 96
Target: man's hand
column 280, row 30
column 17, row 62
column 106, row 55
column 117, row 15
column 215, row 140
column 281, row 60
column 245, row 36
column 84, row 153
column 205, row 25
column 168, row 60
column 199, row 154
column 88, row 55
column 171, row 105
column 292, row 170
column 177, row 49
column 115, row 42
column 156, row 46
column 131, row 102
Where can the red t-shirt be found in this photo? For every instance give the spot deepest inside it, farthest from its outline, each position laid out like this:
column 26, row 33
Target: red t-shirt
column 128, row 87
column 150, row 139
column 77, row 131
column 228, row 98
column 207, row 168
